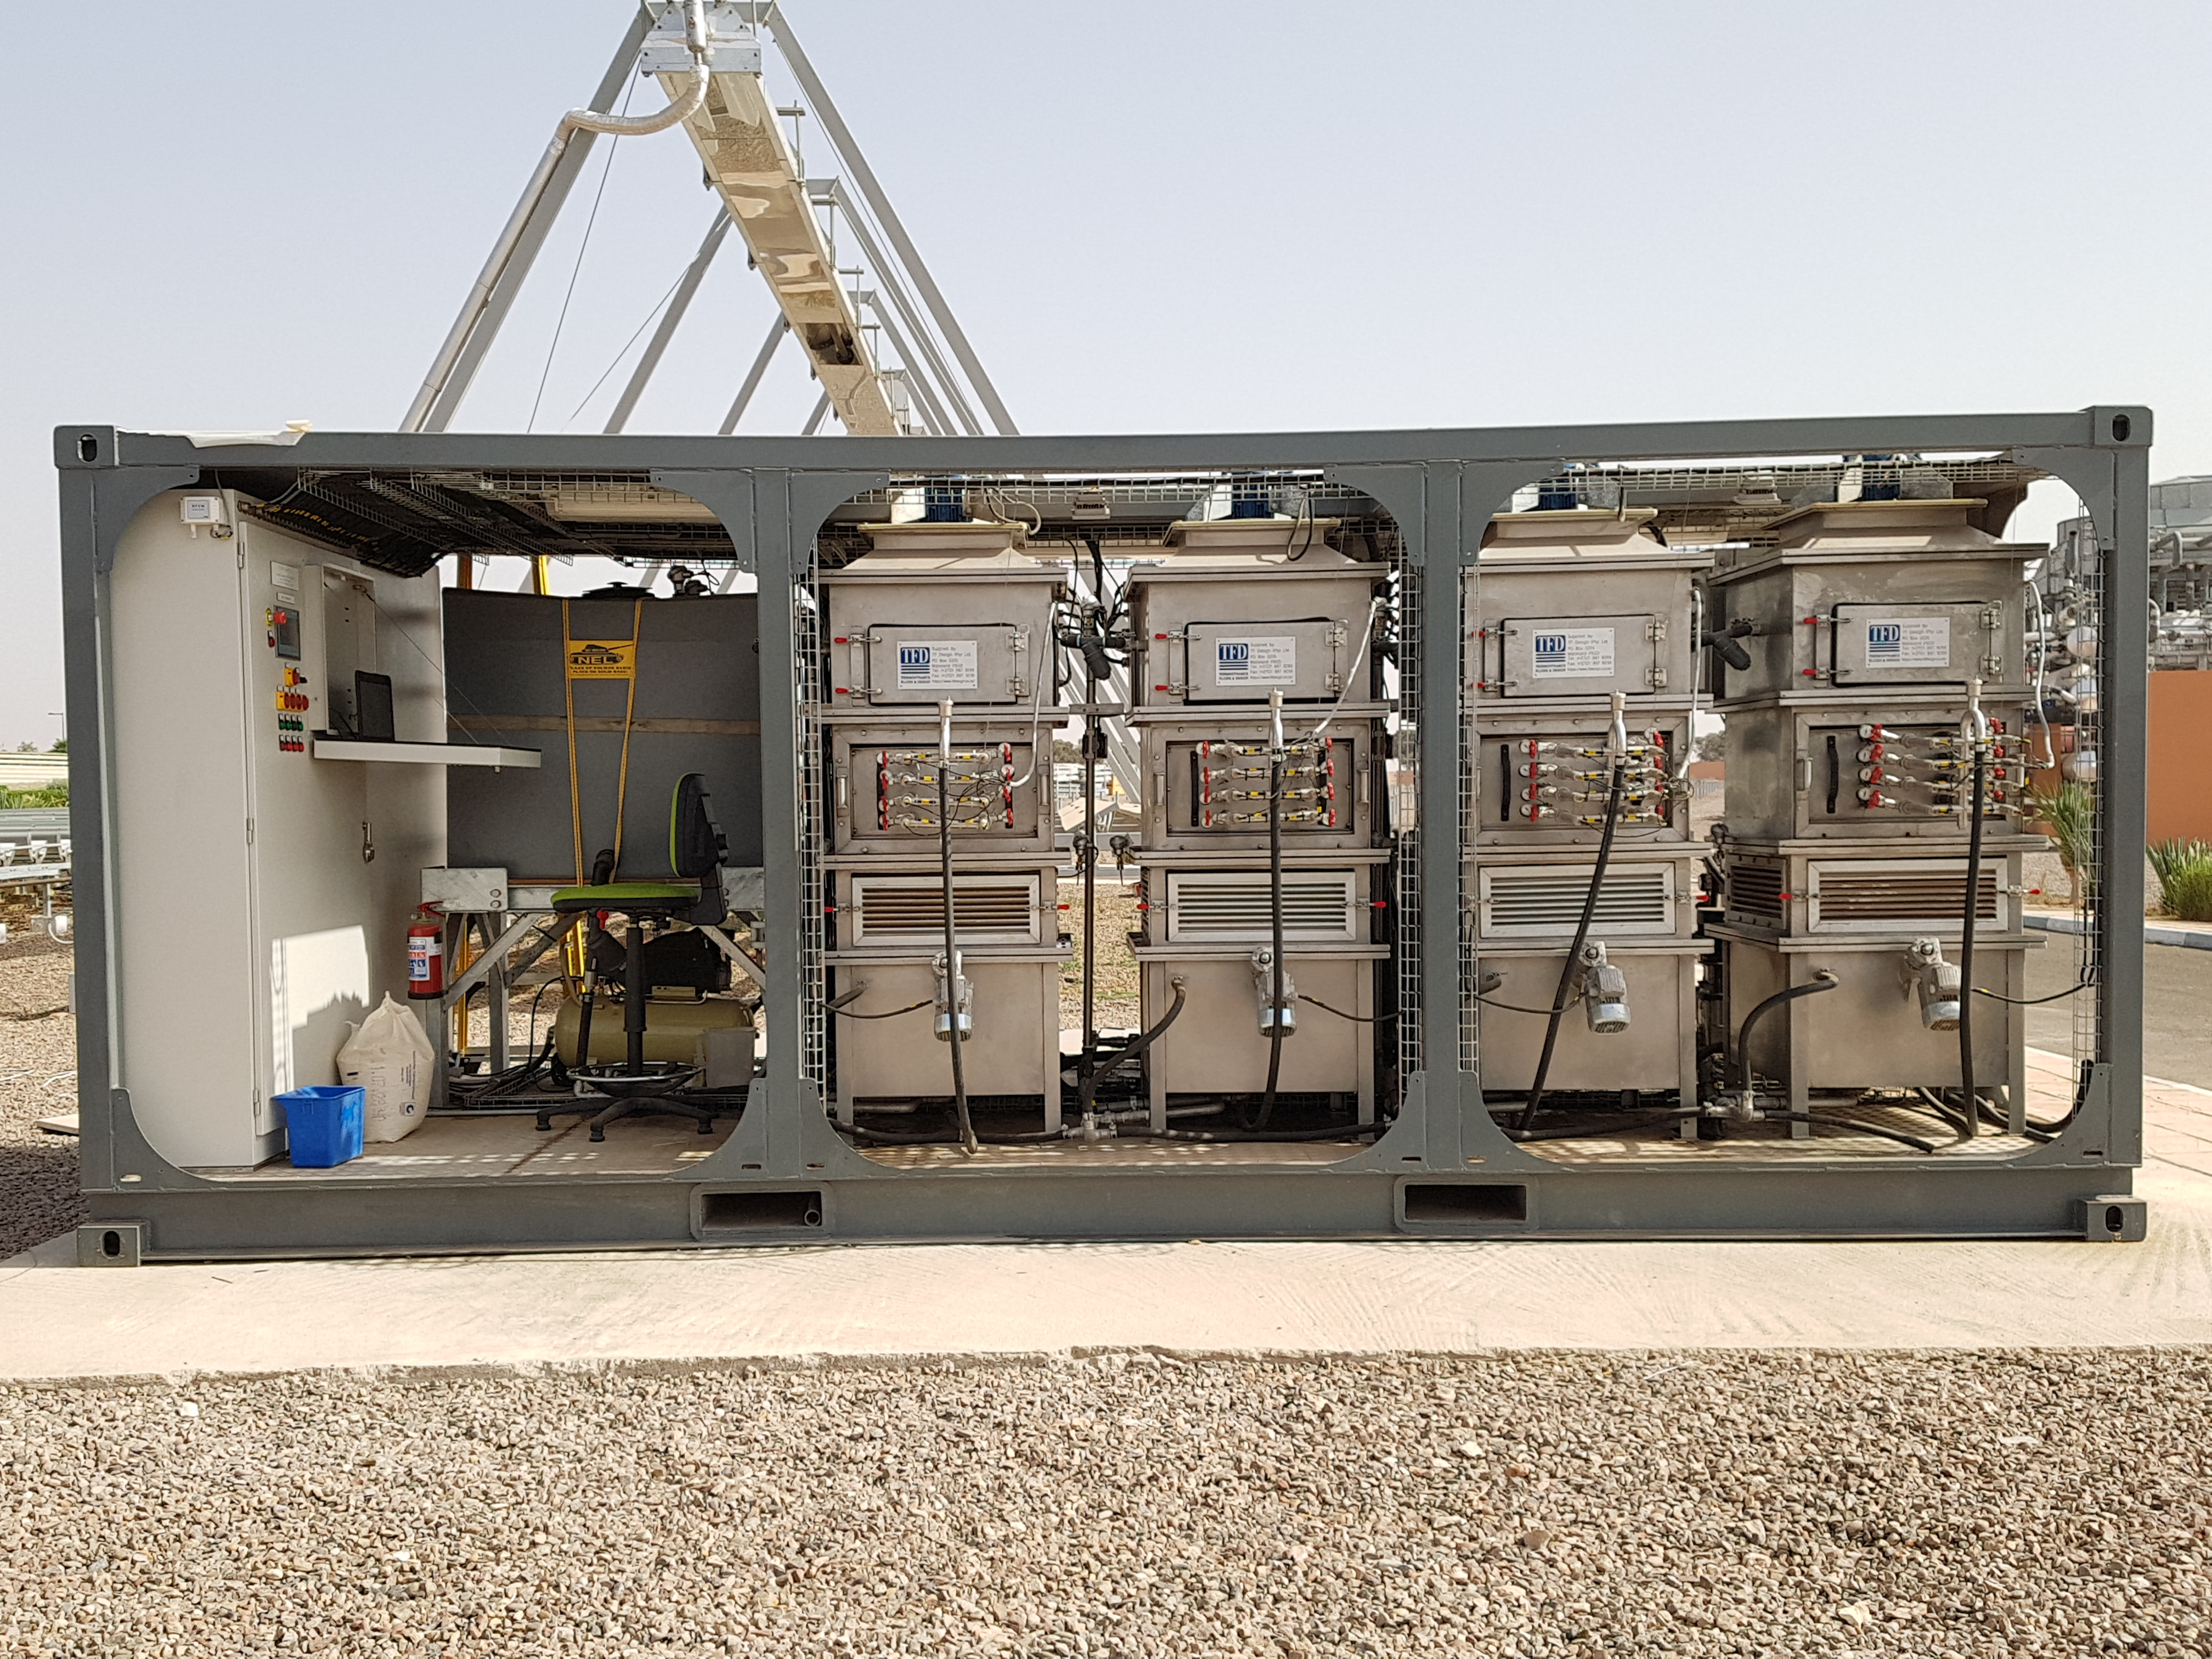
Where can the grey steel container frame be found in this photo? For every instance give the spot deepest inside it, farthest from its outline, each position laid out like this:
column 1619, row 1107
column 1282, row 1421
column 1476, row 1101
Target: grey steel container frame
column 1442, row 486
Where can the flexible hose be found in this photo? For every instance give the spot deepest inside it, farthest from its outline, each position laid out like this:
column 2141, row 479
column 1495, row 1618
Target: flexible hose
column 1087, row 1090
column 888, row 1013
column 953, row 975
column 1823, row 980
column 1096, row 668
column 1275, row 939
column 1356, row 1019
column 1972, row 908
column 1582, row 1132
column 682, row 108
column 1564, row 998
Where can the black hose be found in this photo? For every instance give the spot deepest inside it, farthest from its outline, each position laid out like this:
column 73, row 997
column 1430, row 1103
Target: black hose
column 589, row 1000
column 1823, row 980
column 1358, row 1019
column 1972, row 908
column 1562, row 999
column 1515, row 1008
column 1275, row 939
column 1339, row 1131
column 1097, row 668
column 1725, row 642
column 952, row 957
column 1994, row 1118
column 1583, row 1132
column 2034, row 1002
column 1913, row 1141
column 1087, row 1091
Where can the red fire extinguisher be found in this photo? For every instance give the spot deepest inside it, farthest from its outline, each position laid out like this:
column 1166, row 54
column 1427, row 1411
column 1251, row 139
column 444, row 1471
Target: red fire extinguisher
column 425, row 955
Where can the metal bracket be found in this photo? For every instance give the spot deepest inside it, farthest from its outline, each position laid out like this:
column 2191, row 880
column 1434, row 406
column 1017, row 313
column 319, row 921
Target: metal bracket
column 2120, row 1218
column 112, row 1244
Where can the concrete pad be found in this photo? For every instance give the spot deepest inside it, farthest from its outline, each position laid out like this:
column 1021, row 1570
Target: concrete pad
column 906, row 1304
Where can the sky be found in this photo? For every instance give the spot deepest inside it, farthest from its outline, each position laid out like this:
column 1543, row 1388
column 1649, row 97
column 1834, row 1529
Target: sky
column 1208, row 215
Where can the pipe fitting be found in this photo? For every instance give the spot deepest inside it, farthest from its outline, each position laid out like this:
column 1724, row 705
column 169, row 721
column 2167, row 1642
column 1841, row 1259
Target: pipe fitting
column 1263, row 986
column 1604, row 991
column 1938, row 984
column 956, row 996
column 697, row 42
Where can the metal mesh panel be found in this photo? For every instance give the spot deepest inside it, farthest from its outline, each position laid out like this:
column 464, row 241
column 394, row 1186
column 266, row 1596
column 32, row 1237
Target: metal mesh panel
column 1408, row 857
column 1470, row 1009
column 2088, row 580
column 807, row 692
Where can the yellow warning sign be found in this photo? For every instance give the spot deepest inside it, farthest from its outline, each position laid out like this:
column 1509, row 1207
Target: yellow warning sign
column 602, row 659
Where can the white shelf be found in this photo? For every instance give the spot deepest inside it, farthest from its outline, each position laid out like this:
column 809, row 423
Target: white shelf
column 426, row 754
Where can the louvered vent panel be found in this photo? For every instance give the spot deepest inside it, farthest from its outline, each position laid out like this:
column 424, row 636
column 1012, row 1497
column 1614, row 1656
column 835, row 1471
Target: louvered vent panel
column 997, row 911
column 1234, row 905
column 1550, row 899
column 1920, row 893
column 1755, row 888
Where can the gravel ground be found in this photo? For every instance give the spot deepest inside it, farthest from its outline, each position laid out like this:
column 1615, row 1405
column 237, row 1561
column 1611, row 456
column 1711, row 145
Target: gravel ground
column 1529, row 1505
column 1121, row 982
column 38, row 1059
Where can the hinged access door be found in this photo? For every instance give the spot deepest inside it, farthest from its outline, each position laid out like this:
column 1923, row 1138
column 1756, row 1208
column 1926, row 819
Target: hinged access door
column 1582, row 656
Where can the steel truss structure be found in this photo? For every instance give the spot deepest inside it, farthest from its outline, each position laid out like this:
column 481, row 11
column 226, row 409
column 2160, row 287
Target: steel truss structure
column 789, row 222
column 1443, row 1169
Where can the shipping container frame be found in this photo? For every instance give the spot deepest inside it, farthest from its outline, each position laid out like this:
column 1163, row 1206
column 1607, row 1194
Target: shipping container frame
column 1443, row 1170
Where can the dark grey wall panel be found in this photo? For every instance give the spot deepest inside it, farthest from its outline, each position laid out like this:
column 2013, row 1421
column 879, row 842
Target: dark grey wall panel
column 698, row 710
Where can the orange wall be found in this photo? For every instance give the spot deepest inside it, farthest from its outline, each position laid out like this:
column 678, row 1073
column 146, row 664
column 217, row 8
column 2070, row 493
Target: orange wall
column 2179, row 786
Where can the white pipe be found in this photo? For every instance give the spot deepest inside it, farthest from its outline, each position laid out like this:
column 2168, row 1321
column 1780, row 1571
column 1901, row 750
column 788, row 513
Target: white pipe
column 681, row 109
column 533, row 195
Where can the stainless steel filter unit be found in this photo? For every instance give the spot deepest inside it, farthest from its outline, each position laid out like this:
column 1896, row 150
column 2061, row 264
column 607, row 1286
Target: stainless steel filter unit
column 941, row 613
column 1878, row 632
column 1570, row 610
column 1241, row 616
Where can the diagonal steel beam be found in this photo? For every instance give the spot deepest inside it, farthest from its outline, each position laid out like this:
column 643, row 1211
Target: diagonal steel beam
column 817, row 99
column 776, row 330
column 833, row 192
column 917, row 375
column 678, row 303
column 485, row 310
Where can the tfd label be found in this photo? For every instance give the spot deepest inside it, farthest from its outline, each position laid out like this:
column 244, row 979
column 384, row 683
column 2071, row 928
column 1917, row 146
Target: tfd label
column 1574, row 653
column 936, row 666
column 1256, row 660
column 1908, row 642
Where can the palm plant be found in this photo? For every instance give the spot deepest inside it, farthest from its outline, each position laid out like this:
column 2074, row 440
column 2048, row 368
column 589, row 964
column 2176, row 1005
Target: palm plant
column 2069, row 813
column 2185, row 876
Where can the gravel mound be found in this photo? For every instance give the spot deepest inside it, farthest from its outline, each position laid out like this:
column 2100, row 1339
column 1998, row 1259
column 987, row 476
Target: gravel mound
column 38, row 1078
column 1531, row 1504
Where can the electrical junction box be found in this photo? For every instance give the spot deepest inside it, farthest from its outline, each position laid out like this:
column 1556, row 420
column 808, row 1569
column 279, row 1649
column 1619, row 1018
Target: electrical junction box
column 473, row 892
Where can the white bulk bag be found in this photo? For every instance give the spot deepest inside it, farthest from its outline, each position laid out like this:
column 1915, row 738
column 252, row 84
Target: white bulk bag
column 389, row 1058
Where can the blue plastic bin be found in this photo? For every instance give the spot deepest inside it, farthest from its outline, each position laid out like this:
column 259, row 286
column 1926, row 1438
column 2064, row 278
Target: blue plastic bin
column 324, row 1124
